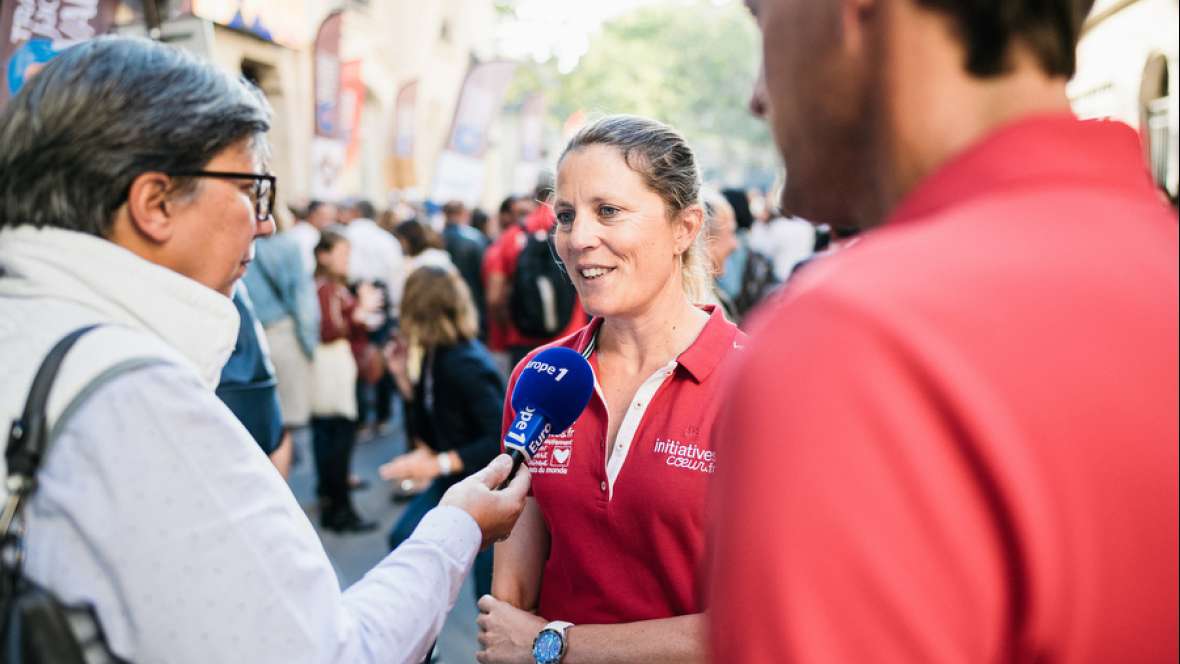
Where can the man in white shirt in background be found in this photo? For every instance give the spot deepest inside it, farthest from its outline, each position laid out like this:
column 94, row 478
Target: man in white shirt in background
column 786, row 240
column 376, row 255
column 320, row 215
column 152, row 503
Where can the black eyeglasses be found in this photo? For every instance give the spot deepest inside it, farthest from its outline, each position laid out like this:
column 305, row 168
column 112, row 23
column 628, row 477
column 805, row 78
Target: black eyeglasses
column 263, row 193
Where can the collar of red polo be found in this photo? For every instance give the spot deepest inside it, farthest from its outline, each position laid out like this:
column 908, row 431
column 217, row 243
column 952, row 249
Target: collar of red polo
column 1036, row 150
column 698, row 360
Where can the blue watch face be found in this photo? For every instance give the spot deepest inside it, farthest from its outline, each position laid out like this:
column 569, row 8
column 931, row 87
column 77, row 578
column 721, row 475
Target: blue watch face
column 547, row 648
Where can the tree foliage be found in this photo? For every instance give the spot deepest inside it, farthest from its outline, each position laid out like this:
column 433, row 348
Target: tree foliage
column 691, row 64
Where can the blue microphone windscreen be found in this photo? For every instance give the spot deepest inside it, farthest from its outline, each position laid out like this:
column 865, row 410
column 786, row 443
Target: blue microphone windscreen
column 557, row 382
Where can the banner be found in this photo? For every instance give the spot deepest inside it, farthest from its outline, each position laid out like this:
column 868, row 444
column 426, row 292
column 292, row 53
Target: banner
column 400, row 169
column 532, row 128
column 459, row 173
column 33, row 32
column 352, row 106
column 327, row 150
column 532, row 144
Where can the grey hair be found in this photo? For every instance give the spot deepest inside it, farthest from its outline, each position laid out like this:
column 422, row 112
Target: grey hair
column 661, row 156
column 103, row 113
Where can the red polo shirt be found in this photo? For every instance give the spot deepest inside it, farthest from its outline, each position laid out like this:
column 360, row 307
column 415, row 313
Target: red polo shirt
column 957, row 440
column 627, row 537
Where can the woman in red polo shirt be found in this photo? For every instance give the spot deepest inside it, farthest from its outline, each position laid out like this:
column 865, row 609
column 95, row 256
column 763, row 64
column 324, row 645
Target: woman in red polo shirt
column 602, row 564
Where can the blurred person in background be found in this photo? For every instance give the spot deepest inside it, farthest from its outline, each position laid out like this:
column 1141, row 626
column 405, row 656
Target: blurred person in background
column 375, row 259
column 343, row 336
column 609, row 545
column 975, row 458
column 306, row 232
column 504, row 214
column 465, row 245
column 721, row 241
column 248, row 386
column 152, row 504
column 422, row 246
column 500, row 272
column 748, row 276
column 454, row 395
column 785, row 240
column 479, row 223
column 513, row 210
column 284, row 301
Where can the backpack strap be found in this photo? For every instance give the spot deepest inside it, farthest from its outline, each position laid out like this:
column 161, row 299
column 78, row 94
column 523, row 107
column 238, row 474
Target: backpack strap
column 29, row 434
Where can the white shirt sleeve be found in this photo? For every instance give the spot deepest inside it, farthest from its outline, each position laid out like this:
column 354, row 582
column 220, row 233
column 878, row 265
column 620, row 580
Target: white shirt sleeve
column 156, row 506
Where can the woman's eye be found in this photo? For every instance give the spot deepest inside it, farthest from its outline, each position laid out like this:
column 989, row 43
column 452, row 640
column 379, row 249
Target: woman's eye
column 607, row 210
column 565, row 217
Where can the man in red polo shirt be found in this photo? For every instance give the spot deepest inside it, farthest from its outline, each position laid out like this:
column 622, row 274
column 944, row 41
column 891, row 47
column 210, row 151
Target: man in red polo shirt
column 957, row 440
column 499, row 266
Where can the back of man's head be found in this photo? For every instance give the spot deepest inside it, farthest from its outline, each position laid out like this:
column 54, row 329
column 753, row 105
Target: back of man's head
column 989, row 29
column 883, row 91
column 103, row 113
column 454, row 211
column 362, row 209
column 321, row 214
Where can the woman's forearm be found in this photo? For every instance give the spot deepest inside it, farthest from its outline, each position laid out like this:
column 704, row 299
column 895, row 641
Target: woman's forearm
column 677, row 640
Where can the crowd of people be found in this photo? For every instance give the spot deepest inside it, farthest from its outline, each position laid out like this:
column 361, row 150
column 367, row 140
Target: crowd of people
column 328, row 290
column 940, row 427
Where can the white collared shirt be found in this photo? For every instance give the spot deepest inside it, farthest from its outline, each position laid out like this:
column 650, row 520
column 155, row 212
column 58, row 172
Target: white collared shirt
column 154, row 504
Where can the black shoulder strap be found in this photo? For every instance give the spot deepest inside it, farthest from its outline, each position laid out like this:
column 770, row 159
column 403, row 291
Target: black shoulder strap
column 30, row 434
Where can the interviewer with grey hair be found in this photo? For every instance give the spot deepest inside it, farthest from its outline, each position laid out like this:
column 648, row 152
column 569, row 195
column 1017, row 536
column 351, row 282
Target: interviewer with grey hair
column 132, row 185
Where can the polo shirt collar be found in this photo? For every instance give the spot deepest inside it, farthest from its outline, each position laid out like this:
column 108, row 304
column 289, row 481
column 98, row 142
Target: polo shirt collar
column 699, row 359
column 1039, row 150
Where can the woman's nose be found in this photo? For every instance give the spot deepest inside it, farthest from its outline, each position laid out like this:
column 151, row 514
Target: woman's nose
column 583, row 233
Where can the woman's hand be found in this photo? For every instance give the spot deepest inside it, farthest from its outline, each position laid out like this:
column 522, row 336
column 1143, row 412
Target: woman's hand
column 506, row 633
column 421, row 465
column 397, row 357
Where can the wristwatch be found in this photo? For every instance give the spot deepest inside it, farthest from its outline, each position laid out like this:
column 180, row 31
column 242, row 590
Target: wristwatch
column 445, row 467
column 550, row 645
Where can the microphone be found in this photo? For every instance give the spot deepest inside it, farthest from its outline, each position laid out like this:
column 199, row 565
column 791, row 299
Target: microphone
column 551, row 392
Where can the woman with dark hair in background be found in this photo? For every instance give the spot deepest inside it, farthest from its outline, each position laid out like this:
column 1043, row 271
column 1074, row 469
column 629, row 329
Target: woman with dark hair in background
column 343, row 336
column 453, row 394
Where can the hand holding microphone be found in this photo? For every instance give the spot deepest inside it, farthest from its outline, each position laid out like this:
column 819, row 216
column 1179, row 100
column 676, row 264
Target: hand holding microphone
column 495, row 511
column 551, row 392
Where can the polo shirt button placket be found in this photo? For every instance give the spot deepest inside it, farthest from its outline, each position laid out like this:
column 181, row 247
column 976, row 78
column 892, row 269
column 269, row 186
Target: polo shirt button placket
column 602, row 486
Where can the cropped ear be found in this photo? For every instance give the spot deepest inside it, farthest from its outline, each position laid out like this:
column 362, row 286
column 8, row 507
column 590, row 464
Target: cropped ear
column 149, row 207
column 688, row 225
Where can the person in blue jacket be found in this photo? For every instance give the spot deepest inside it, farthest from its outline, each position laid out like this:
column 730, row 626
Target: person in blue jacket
column 248, row 386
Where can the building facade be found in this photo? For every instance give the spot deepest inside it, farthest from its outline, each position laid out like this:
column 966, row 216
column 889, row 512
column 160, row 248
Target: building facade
column 384, row 45
column 1127, row 71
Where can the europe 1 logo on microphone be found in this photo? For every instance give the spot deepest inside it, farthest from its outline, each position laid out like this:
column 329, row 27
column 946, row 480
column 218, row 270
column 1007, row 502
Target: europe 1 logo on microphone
column 518, row 432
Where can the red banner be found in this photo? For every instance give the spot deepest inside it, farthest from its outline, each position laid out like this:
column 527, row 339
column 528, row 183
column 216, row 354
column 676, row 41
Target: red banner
column 33, row 32
column 352, row 106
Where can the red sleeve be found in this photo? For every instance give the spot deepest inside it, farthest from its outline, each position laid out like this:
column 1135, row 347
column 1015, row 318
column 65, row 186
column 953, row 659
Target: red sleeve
column 855, row 529
column 493, row 262
column 331, row 325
